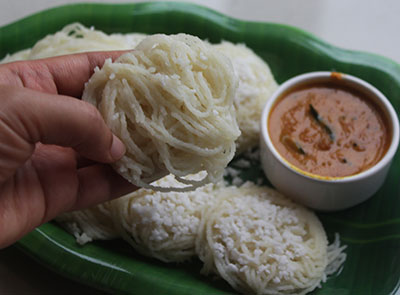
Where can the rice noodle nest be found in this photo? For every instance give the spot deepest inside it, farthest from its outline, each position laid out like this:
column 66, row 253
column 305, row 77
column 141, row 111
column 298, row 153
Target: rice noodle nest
column 163, row 225
column 260, row 242
column 171, row 102
column 256, row 85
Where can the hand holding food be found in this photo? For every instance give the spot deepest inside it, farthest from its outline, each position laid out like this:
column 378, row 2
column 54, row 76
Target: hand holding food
column 54, row 146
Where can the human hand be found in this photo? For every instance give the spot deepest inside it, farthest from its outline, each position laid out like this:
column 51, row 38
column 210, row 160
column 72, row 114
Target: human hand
column 52, row 145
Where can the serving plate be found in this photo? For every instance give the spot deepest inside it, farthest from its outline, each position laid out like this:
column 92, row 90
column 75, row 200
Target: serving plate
column 370, row 230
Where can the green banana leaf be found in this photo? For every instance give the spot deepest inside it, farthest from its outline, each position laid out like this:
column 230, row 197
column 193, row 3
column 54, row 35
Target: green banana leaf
column 370, row 230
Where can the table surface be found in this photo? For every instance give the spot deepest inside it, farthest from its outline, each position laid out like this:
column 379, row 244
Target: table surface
column 358, row 25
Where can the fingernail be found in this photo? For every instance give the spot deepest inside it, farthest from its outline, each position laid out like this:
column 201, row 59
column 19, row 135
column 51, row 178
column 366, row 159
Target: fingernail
column 117, row 148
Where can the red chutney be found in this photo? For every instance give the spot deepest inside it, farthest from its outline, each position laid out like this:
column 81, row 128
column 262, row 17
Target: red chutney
column 328, row 129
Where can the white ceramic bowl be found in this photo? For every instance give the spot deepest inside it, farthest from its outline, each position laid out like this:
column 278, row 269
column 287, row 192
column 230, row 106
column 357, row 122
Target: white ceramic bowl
column 322, row 193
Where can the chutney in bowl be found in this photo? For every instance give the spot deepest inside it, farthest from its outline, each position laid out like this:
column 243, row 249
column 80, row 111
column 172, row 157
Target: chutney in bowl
column 328, row 139
column 329, row 129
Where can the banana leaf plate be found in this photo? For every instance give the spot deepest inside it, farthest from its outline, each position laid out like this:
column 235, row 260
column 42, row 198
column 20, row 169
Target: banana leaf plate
column 370, row 230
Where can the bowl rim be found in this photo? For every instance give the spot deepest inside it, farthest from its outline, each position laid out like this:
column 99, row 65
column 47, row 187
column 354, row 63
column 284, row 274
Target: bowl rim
column 318, row 76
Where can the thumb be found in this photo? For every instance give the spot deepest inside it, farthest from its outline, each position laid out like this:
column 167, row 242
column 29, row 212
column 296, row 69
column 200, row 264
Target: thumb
column 28, row 117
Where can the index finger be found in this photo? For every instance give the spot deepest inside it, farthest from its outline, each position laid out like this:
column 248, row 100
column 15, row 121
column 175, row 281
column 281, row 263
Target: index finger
column 64, row 75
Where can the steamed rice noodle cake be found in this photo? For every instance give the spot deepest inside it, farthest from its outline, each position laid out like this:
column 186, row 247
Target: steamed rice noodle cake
column 90, row 224
column 76, row 38
column 171, row 102
column 256, row 85
column 163, row 225
column 262, row 243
